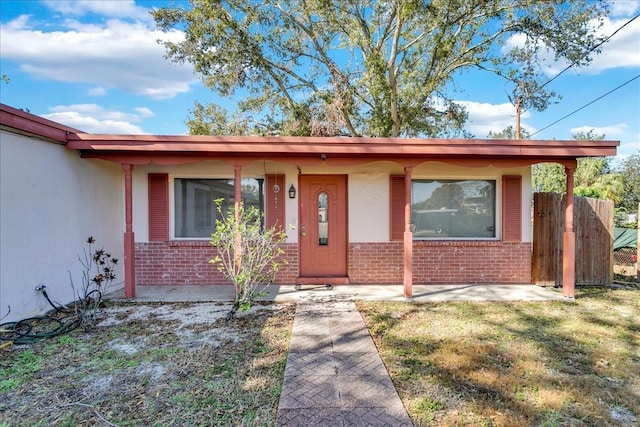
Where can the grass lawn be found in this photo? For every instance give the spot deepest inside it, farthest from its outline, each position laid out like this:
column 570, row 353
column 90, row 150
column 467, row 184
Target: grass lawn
column 152, row 365
column 503, row 364
column 514, row 364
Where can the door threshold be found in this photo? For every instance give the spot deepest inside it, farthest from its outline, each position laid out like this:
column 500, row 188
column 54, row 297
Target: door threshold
column 322, row 281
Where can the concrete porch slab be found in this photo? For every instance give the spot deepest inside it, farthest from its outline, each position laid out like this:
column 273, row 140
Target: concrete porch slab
column 421, row 293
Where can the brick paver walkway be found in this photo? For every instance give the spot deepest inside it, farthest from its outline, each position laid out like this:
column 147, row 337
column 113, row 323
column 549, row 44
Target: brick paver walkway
column 334, row 375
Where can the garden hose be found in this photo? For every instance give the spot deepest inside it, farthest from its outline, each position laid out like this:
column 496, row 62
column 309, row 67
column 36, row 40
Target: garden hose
column 35, row 328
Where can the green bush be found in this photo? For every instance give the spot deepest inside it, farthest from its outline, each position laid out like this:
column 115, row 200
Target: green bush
column 248, row 255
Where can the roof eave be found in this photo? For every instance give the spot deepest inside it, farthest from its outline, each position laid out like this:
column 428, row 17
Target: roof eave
column 24, row 123
column 214, row 146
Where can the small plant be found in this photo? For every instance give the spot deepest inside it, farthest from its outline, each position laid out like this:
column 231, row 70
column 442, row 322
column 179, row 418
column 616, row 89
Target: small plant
column 97, row 275
column 248, row 256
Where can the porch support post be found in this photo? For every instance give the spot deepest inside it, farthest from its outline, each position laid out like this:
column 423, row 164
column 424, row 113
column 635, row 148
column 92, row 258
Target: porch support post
column 237, row 182
column 237, row 187
column 129, row 246
column 408, row 236
column 569, row 240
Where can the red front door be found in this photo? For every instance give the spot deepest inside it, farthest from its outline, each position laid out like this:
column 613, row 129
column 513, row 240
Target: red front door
column 323, row 227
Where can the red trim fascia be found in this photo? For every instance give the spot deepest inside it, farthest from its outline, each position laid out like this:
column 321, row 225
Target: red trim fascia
column 169, row 159
column 370, row 147
column 181, row 140
column 27, row 123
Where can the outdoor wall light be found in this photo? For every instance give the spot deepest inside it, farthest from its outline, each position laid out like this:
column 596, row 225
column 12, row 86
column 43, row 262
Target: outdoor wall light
column 292, row 192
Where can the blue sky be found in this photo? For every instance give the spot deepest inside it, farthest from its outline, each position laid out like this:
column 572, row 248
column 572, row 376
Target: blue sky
column 96, row 66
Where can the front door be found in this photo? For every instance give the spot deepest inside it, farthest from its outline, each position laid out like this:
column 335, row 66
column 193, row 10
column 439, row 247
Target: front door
column 323, row 228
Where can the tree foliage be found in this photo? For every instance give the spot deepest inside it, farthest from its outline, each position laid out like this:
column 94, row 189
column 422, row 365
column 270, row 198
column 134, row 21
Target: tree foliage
column 449, row 196
column 509, row 133
column 548, row 178
column 630, row 171
column 212, row 119
column 593, row 176
column 372, row 67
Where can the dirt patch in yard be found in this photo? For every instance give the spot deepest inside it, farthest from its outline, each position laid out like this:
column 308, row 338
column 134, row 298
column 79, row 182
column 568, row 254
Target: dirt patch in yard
column 172, row 364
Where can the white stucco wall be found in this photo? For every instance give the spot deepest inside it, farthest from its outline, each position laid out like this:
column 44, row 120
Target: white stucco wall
column 51, row 201
column 369, row 207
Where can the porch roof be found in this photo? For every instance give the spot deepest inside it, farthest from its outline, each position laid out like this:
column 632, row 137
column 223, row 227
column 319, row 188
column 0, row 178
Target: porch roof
column 184, row 148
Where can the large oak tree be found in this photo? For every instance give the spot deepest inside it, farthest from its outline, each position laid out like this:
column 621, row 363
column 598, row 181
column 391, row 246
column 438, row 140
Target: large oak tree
column 372, row 68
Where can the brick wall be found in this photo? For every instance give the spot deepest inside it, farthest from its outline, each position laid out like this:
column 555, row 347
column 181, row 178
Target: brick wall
column 436, row 262
column 442, row 262
column 471, row 262
column 288, row 272
column 187, row 263
column 376, row 262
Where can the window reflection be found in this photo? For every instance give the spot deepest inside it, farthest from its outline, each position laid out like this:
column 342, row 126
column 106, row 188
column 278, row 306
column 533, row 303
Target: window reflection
column 323, row 219
column 453, row 208
column 195, row 203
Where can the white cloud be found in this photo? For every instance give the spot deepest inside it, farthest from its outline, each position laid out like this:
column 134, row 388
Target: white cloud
column 622, row 50
column 629, row 141
column 110, row 55
column 92, row 118
column 98, row 91
column 18, row 23
column 108, row 8
column 144, row 112
column 624, row 7
column 485, row 118
column 610, row 132
column 630, row 147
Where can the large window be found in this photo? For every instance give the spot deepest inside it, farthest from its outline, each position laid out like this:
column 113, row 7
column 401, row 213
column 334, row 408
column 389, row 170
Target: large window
column 453, row 208
column 195, row 206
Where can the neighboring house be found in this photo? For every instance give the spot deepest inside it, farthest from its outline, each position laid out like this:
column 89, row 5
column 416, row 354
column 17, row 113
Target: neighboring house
column 356, row 210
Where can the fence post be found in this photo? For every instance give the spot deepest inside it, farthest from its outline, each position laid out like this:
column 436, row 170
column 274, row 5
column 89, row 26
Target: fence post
column 638, row 247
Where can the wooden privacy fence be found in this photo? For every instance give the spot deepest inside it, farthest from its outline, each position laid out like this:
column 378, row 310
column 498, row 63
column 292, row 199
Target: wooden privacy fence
column 593, row 225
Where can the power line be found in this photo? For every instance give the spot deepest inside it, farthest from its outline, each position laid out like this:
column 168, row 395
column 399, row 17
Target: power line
column 586, row 105
column 603, row 41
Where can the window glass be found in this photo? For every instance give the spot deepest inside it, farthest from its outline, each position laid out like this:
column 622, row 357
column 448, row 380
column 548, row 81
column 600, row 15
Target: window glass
column 195, row 206
column 453, row 208
column 323, row 219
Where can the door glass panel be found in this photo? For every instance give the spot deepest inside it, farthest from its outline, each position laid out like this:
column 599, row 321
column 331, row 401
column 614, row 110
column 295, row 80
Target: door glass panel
column 323, row 219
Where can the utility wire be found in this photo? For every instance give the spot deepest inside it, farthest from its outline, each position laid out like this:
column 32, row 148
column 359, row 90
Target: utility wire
column 575, row 62
column 586, row 105
column 592, row 49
